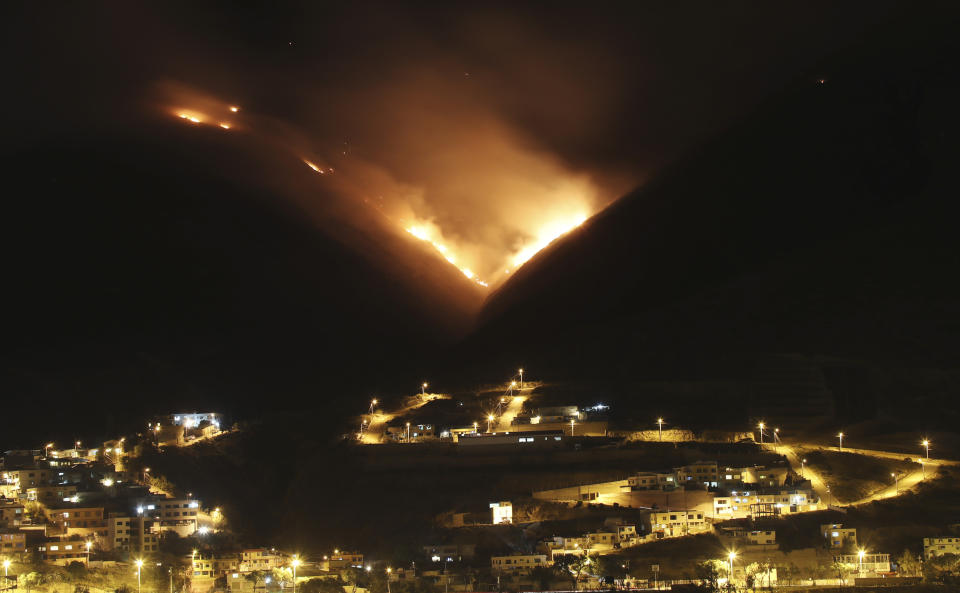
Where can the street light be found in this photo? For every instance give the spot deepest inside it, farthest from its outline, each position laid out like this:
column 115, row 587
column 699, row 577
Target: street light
column 896, row 480
column 731, row 556
column 571, row 426
column 295, row 562
column 139, row 568
column 408, row 432
column 6, row 566
column 521, row 379
column 802, row 463
column 489, row 422
column 860, row 554
column 88, row 545
column 373, row 402
column 840, row 435
column 926, row 444
column 660, row 428
column 475, row 426
column 423, row 388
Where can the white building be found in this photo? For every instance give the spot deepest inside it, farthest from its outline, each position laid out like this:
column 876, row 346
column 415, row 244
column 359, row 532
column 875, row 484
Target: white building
column 193, row 420
column 502, row 512
column 938, row 546
column 677, row 523
column 519, row 564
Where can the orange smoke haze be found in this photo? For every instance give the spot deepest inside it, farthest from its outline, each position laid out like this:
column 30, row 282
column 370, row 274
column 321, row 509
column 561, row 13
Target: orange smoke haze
column 448, row 172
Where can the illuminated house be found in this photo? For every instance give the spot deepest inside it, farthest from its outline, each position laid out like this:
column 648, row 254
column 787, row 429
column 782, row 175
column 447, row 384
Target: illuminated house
column 765, row 503
column 677, row 523
column 517, row 565
column 252, row 559
column 938, row 546
column 502, row 512
column 130, row 534
column 836, row 536
column 870, row 565
column 193, row 420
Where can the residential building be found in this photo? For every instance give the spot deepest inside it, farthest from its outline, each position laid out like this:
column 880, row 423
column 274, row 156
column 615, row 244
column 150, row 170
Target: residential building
column 532, row 438
column 762, row 538
column 603, row 540
column 12, row 542
column 11, row 513
column 871, row 565
column 342, row 559
column 49, row 494
column 652, row 481
column 29, row 478
column 558, row 546
column 130, row 534
column 520, row 564
column 502, row 512
column 252, row 559
column 677, row 523
column 836, row 536
column 194, row 419
column 699, row 472
column 938, row 546
column 765, row 503
column 63, row 551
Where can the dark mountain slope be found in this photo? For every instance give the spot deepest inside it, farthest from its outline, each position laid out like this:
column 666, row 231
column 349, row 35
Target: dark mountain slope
column 173, row 268
column 819, row 227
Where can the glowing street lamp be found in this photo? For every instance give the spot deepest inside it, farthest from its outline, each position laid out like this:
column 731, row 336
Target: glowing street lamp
column 896, row 480
column 513, row 384
column 423, row 388
column 408, row 432
column 761, row 426
column 489, row 422
column 860, row 554
column 373, row 402
column 731, row 557
column 88, row 545
column 521, row 379
column 840, row 436
column 6, row 566
column 295, row 562
column 139, row 564
column 571, row 426
column 660, row 428
column 475, row 425
column 926, row 444
column 802, row 463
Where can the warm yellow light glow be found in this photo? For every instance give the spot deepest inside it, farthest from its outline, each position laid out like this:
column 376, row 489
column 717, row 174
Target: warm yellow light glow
column 314, row 167
column 490, row 417
column 861, row 553
column 546, row 234
column 139, row 562
column 295, row 562
column 731, row 556
column 234, row 108
column 225, row 125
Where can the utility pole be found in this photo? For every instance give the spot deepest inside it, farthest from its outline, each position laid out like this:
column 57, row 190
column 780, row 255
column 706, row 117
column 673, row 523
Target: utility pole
column 170, row 570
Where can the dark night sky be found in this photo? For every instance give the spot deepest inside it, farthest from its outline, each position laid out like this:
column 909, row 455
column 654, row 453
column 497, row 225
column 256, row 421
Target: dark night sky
column 153, row 266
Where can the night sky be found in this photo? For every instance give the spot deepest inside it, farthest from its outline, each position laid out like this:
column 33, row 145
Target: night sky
column 292, row 253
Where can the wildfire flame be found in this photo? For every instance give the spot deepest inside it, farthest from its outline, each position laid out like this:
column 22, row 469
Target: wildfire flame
column 546, row 235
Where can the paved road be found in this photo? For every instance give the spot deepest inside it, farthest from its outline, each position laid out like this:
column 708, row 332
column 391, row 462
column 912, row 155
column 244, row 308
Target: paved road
column 821, row 488
column 377, row 422
column 510, row 412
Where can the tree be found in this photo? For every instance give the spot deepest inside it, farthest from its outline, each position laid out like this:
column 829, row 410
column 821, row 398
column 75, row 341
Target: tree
column 77, row 570
column 910, row 565
column 708, row 573
column 256, row 577
column 322, row 586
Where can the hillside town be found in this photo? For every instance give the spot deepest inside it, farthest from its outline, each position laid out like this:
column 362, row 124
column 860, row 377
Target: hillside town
column 97, row 508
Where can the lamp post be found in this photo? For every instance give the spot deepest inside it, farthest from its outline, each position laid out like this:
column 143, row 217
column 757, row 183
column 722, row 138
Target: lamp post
column 572, row 422
column 521, row 379
column 802, row 463
column 408, row 432
column 923, row 468
column 295, row 562
column 6, row 567
column 731, row 556
column 926, row 444
column 88, row 545
column 489, row 422
column 139, row 569
column 761, row 425
column 512, row 385
column 389, row 571
column 860, row 554
column 896, row 480
column 840, row 436
column 475, row 426
column 423, row 388
column 660, row 428
column 373, row 402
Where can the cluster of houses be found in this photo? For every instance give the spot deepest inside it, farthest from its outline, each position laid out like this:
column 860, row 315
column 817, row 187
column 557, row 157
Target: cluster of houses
column 719, row 493
column 66, row 505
